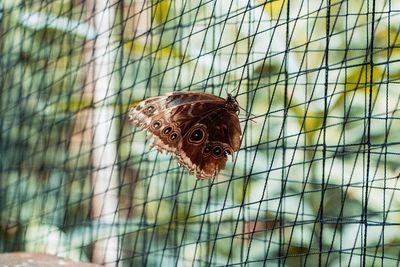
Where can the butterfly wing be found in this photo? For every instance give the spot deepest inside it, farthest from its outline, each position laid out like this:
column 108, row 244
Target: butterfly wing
column 175, row 110
column 208, row 142
column 196, row 127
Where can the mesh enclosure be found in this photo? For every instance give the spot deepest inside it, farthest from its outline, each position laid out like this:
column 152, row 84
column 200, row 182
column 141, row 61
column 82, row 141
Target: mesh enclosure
column 313, row 184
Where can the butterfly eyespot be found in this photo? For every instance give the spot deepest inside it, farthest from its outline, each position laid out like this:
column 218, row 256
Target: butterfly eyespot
column 150, row 108
column 217, row 151
column 207, row 149
column 167, row 130
column 157, row 124
column 138, row 107
column 173, row 136
column 197, row 135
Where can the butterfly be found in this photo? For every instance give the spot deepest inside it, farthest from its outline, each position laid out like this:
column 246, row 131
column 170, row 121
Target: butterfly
column 201, row 130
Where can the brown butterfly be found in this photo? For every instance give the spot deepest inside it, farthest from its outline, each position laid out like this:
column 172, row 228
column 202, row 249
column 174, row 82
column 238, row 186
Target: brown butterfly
column 200, row 129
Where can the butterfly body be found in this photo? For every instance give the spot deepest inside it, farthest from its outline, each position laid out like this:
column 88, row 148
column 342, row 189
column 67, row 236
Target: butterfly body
column 200, row 129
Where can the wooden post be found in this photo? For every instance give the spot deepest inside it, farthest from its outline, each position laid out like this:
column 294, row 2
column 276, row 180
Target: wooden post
column 104, row 207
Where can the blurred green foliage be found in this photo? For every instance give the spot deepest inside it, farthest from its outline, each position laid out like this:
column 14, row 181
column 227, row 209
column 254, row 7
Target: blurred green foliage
column 325, row 130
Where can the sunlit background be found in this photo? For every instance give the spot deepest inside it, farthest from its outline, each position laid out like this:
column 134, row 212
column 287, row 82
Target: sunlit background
column 315, row 182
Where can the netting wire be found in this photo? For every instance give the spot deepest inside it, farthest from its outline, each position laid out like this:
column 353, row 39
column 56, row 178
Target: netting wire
column 315, row 182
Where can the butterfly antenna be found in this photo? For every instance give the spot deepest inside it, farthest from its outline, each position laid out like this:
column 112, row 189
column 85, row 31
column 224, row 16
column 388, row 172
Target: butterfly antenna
column 249, row 115
column 226, row 91
column 235, row 89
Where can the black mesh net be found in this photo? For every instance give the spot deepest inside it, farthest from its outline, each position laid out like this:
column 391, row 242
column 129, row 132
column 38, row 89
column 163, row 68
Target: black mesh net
column 313, row 184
